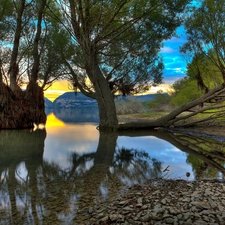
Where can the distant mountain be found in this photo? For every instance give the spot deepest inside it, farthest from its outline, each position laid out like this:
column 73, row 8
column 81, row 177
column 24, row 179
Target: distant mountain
column 48, row 104
column 71, row 100
column 144, row 98
column 79, row 115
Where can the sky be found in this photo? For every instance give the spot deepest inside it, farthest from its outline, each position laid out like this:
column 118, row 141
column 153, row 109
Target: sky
column 175, row 65
column 58, row 88
column 174, row 62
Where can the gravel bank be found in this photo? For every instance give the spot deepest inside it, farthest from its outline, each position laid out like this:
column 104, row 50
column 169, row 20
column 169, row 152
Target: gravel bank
column 162, row 202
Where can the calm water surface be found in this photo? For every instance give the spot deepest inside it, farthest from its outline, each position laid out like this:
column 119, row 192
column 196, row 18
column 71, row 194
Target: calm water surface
column 49, row 175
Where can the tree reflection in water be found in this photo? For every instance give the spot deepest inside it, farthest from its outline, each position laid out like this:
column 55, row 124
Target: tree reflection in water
column 33, row 191
column 206, row 155
column 134, row 166
column 21, row 154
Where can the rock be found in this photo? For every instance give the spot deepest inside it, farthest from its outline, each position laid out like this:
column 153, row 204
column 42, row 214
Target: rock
column 127, row 208
column 201, row 222
column 167, row 202
column 116, row 217
column 173, row 211
column 169, row 220
column 204, row 205
column 100, row 215
column 90, row 210
column 104, row 219
column 145, row 218
column 123, row 202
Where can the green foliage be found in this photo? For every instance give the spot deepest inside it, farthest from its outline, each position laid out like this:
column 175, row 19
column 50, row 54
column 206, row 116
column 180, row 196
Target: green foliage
column 201, row 67
column 125, row 37
column 206, row 35
column 202, row 75
column 160, row 102
column 5, row 17
column 54, row 39
column 185, row 90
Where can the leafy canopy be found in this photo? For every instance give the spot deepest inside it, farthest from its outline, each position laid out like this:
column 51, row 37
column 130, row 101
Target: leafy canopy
column 124, row 37
column 205, row 28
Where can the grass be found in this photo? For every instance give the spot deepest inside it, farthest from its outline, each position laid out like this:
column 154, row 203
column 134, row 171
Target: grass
column 130, row 110
column 152, row 114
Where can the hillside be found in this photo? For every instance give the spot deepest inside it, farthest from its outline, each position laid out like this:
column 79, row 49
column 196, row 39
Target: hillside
column 48, row 104
column 70, row 100
column 79, row 115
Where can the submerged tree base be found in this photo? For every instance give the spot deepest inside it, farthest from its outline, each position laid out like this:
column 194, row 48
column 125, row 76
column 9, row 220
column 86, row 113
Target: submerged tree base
column 21, row 109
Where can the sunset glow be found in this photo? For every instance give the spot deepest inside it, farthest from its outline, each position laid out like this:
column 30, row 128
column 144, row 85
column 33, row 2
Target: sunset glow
column 58, row 88
column 163, row 87
column 57, row 127
column 53, row 121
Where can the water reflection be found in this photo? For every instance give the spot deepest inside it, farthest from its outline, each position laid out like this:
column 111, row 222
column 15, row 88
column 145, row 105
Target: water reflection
column 134, row 166
column 21, row 154
column 206, row 156
column 79, row 115
column 48, row 180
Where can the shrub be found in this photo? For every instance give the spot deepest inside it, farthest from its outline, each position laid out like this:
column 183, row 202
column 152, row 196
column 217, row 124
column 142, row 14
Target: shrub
column 128, row 105
column 161, row 102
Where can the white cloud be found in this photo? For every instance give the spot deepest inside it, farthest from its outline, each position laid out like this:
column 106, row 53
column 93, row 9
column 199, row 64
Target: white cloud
column 168, row 50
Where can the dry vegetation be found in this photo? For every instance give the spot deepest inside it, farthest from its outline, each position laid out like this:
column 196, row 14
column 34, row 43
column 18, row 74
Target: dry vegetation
column 213, row 127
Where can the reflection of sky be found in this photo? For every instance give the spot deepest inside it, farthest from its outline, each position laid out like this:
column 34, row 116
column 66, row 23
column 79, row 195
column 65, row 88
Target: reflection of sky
column 62, row 141
column 161, row 150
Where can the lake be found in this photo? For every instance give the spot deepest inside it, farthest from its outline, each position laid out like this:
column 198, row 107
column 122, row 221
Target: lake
column 47, row 175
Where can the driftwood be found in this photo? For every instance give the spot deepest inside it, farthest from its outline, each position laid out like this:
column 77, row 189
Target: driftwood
column 176, row 117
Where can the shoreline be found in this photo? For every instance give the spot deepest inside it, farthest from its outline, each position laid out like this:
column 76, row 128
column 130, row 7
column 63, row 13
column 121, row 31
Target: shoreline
column 178, row 202
column 214, row 128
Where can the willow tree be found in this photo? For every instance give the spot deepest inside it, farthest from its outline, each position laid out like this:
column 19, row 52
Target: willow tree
column 116, row 47
column 201, row 76
column 204, row 25
column 206, row 48
column 27, row 59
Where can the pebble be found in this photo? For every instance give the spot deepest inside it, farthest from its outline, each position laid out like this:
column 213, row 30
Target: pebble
column 175, row 202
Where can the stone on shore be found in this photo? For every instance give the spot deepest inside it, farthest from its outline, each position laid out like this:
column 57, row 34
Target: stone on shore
column 177, row 202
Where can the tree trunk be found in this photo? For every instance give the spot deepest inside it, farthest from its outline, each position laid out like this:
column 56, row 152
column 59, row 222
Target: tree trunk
column 21, row 109
column 35, row 103
column 104, row 98
column 14, row 68
column 1, row 75
column 36, row 55
column 106, row 106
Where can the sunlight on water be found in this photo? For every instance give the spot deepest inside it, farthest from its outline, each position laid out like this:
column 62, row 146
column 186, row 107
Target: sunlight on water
column 53, row 121
column 65, row 139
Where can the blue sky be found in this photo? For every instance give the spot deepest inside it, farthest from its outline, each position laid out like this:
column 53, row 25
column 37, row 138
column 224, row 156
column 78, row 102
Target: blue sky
column 174, row 61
